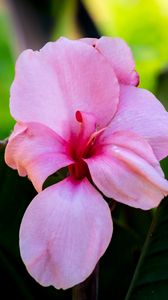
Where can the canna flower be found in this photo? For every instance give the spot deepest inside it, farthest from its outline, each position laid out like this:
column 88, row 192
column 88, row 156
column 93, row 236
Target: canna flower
column 77, row 105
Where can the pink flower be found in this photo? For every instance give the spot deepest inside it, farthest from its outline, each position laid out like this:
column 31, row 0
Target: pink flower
column 76, row 104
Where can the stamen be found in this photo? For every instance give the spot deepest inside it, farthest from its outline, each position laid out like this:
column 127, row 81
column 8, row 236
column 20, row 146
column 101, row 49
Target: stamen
column 78, row 116
column 94, row 135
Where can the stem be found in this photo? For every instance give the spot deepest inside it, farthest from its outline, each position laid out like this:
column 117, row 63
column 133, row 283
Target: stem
column 87, row 290
column 143, row 253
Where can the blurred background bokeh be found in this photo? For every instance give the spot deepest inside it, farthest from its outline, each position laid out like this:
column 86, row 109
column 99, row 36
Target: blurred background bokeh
column 31, row 23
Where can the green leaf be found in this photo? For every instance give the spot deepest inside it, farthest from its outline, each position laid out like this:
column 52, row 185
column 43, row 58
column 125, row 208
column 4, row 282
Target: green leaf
column 150, row 279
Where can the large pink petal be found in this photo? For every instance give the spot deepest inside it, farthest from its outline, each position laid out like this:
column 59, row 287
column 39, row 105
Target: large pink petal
column 64, row 232
column 64, row 77
column 140, row 112
column 119, row 55
column 123, row 171
column 37, row 151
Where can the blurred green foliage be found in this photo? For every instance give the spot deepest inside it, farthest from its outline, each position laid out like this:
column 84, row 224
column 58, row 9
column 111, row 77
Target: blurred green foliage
column 6, row 75
column 143, row 24
column 64, row 13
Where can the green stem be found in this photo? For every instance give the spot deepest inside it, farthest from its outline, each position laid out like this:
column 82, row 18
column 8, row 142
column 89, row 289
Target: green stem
column 87, row 290
column 143, row 253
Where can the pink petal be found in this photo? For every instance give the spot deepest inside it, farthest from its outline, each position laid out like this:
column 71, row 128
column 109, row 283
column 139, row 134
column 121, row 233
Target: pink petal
column 130, row 141
column 139, row 111
column 123, row 171
column 89, row 41
column 119, row 55
column 65, row 76
column 64, row 232
column 36, row 151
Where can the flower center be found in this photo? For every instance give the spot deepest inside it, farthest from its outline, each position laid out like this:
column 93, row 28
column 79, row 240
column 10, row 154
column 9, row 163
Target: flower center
column 82, row 144
column 79, row 170
column 79, row 152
